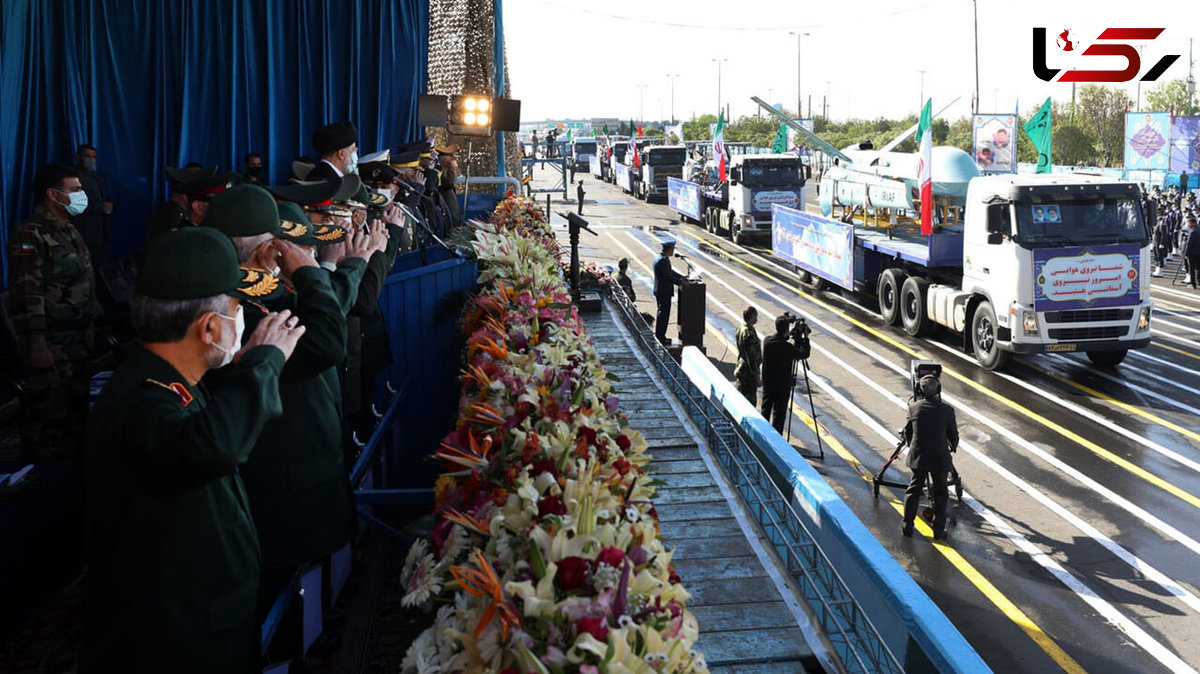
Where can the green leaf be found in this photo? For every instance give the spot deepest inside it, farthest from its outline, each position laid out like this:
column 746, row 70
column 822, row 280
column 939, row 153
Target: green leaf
column 611, row 376
column 536, row 560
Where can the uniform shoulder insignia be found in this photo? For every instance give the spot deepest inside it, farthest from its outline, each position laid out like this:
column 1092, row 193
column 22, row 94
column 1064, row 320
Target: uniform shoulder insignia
column 257, row 282
column 185, row 396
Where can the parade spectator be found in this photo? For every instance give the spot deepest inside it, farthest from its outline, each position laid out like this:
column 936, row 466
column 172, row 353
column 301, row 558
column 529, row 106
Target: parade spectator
column 623, row 279
column 92, row 223
column 253, row 171
column 173, row 562
column 448, row 183
column 54, row 307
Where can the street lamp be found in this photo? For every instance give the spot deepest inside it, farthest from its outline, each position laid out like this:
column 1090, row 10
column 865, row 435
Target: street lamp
column 641, row 103
column 672, row 78
column 922, row 105
column 975, row 5
column 799, row 104
column 719, row 62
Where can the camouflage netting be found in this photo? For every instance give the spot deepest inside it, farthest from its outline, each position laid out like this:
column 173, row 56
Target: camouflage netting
column 461, row 44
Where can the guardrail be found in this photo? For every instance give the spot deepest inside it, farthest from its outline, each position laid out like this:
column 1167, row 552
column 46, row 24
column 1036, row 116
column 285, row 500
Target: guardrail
column 871, row 612
column 850, row 635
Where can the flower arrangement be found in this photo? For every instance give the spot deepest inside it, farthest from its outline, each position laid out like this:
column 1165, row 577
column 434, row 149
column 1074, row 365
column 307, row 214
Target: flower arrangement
column 546, row 555
column 591, row 275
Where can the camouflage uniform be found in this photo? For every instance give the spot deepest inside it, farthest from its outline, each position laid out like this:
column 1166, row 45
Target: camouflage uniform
column 749, row 362
column 53, row 292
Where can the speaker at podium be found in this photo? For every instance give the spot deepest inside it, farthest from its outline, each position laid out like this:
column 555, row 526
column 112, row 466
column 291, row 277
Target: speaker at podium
column 692, row 312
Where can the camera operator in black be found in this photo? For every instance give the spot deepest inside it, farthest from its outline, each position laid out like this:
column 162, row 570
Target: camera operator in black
column 932, row 434
column 779, row 358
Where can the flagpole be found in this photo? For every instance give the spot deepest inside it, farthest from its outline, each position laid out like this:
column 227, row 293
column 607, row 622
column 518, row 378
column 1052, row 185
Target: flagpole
column 975, row 5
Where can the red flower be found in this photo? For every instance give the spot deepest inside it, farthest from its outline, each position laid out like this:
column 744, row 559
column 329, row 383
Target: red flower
column 610, row 556
column 572, row 572
column 623, row 442
column 596, row 627
column 622, row 466
column 551, row 505
column 510, row 670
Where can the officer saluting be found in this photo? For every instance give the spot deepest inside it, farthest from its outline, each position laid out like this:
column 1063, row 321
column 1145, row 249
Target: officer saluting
column 173, row 561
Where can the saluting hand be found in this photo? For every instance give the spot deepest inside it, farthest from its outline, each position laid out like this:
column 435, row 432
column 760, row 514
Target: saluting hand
column 292, row 257
column 358, row 244
column 378, row 237
column 279, row 329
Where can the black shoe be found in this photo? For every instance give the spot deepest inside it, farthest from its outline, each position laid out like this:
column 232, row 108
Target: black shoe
column 907, row 530
column 939, row 535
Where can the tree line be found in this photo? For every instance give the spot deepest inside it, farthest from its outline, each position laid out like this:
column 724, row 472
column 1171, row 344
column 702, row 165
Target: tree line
column 1088, row 132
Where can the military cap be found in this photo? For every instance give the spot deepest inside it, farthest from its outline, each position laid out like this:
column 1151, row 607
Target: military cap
column 376, row 173
column 405, row 159
column 301, row 167
column 447, row 150
column 333, row 137
column 368, row 197
column 348, row 188
column 295, row 226
column 667, row 242
column 200, row 181
column 423, row 148
column 198, row 262
column 244, row 210
column 314, row 196
column 381, row 156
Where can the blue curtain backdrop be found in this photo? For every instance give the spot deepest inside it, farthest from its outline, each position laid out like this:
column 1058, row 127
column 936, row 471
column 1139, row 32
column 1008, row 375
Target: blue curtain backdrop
column 155, row 83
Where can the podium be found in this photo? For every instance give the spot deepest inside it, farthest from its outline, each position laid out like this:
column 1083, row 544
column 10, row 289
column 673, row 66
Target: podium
column 692, row 313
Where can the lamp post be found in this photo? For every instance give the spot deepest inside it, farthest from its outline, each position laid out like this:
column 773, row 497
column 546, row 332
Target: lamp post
column 799, row 105
column 672, row 78
column 641, row 103
column 921, row 105
column 719, row 62
column 975, row 5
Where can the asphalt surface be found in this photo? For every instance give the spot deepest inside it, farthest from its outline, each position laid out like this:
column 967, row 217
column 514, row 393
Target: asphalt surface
column 1076, row 545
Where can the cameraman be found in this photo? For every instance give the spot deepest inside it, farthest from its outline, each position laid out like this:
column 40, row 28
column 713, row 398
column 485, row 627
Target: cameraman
column 932, row 434
column 778, row 366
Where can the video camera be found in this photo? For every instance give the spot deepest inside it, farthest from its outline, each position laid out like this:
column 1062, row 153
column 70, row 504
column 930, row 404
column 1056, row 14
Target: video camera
column 799, row 330
column 919, row 369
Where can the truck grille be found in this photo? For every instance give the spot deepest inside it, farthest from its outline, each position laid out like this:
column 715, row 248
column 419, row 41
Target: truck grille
column 1089, row 315
column 1076, row 334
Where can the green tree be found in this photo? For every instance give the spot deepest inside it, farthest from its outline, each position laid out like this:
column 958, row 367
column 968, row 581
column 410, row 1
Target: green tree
column 1171, row 96
column 1100, row 113
column 697, row 129
column 959, row 135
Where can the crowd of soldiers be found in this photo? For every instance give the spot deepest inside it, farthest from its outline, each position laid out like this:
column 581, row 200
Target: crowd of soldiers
column 217, row 454
column 1173, row 215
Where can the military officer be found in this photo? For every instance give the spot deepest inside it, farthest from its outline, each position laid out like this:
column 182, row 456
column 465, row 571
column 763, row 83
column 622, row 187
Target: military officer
column 53, row 304
column 447, row 184
column 173, row 560
column 187, row 204
column 298, row 489
column 434, row 206
column 411, row 183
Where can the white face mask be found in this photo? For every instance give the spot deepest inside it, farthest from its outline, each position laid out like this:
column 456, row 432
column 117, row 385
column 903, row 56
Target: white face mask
column 239, row 322
column 78, row 202
column 385, row 191
column 352, row 165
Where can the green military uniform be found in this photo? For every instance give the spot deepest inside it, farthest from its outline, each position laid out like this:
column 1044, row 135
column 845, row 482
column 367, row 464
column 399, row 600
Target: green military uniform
column 298, row 489
column 195, row 183
column 749, row 362
column 173, row 557
column 53, row 292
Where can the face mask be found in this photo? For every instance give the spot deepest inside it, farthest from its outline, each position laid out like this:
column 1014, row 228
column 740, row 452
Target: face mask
column 239, row 322
column 384, row 191
column 89, row 164
column 78, row 202
column 254, row 171
column 353, row 165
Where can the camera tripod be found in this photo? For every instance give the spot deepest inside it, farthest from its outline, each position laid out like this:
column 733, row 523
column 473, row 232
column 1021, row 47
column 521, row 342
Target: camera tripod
column 811, row 407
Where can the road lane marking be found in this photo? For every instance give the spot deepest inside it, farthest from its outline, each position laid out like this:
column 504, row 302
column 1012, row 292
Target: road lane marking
column 1096, row 449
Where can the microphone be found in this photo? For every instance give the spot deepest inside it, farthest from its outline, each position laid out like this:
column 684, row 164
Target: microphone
column 681, row 257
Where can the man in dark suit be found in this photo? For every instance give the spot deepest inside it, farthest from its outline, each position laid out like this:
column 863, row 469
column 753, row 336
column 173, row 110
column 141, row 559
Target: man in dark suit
column 337, row 145
column 665, row 280
column 932, row 434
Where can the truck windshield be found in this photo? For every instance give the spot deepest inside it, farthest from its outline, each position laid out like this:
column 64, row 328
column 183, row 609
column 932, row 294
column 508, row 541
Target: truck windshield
column 771, row 174
column 666, row 157
column 619, row 151
column 1043, row 222
column 585, row 148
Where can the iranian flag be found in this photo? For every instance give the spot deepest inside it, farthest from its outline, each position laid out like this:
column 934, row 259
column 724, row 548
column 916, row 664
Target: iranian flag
column 718, row 144
column 637, row 157
column 924, row 179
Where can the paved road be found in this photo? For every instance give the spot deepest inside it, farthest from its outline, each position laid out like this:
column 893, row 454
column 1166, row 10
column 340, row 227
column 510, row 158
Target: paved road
column 1076, row 544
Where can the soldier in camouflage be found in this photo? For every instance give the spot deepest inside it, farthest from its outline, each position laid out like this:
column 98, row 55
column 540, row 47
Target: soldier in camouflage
column 54, row 308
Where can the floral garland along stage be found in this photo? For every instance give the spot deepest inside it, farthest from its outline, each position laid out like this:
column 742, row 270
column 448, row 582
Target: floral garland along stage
column 546, row 555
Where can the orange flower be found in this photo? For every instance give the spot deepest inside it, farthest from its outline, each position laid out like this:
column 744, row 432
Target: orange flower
column 483, row 582
column 483, row 413
column 467, row 521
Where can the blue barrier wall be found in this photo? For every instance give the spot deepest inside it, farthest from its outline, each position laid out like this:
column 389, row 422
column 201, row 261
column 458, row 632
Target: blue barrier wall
column 421, row 304
column 914, row 628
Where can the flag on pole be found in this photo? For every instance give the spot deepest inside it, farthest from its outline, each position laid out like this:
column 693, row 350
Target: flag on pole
column 678, row 131
column 637, row 155
column 568, row 135
column 605, row 130
column 779, row 145
column 1038, row 129
column 924, row 179
column 718, row 145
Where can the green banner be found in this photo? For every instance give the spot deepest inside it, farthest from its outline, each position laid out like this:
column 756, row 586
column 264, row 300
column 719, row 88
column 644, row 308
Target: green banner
column 1038, row 130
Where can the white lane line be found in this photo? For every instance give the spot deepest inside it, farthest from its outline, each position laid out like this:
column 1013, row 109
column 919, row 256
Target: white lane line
column 1062, row 360
column 1084, row 480
column 1138, row 353
column 1077, row 586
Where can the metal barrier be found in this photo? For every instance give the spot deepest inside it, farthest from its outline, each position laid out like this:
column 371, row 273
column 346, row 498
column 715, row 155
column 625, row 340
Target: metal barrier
column 850, row 634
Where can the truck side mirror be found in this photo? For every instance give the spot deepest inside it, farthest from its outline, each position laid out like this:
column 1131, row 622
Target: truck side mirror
column 995, row 238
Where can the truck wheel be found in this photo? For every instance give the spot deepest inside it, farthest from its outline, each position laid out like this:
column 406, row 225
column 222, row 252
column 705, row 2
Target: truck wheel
column 888, row 290
column 983, row 339
column 811, row 282
column 912, row 306
column 1107, row 358
column 735, row 232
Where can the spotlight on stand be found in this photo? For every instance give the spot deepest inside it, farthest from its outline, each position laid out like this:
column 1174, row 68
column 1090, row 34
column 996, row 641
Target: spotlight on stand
column 470, row 116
